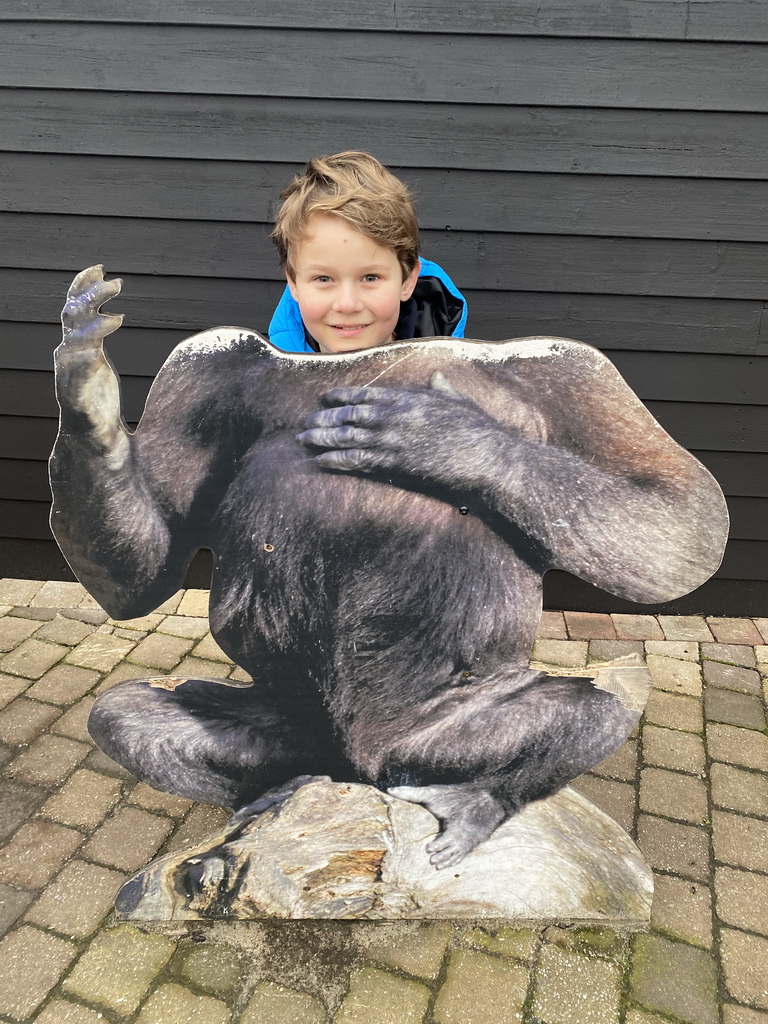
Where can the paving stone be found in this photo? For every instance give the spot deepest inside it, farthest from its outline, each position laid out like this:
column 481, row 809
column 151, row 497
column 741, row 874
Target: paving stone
column 670, row 748
column 621, row 764
column 24, row 720
column 13, row 903
column 589, row 626
column 198, row 668
column 10, row 688
column 738, row 746
column 15, row 592
column 567, row 653
column 209, row 649
column 73, row 723
column 376, row 997
column 682, row 909
column 153, row 800
column 673, row 795
column 129, row 839
column 48, row 761
column 740, row 840
column 83, row 800
column 635, row 1016
column 743, row 958
column 40, row 614
column 32, row 658
column 739, row 790
column 762, row 626
column 62, row 1011
column 637, row 627
column 6, row 753
column 63, row 630
column 98, row 761
column 17, row 802
column 121, row 674
column 676, row 979
column 78, row 900
column 31, row 963
column 36, row 852
column 273, row 1004
column 13, row 631
column 58, row 594
column 570, row 988
column 118, row 967
column 480, row 989
column 552, row 626
column 416, row 949
column 89, row 602
column 173, row 1003
column 682, row 650
column 761, row 656
column 733, row 708
column 100, row 651
column 734, row 631
column 732, row 677
column 241, row 674
column 144, row 623
column 64, row 684
column 513, row 943
column 189, row 626
column 733, row 654
column 733, row 1014
column 675, row 676
column 609, row 650
column 617, row 799
column 129, row 634
column 95, row 616
column 212, row 966
column 669, row 846
column 741, row 899
column 201, row 821
column 160, row 651
column 685, row 627
column 194, row 602
column 171, row 606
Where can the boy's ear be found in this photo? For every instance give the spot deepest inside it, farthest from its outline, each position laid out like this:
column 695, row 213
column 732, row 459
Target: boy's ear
column 291, row 286
column 410, row 282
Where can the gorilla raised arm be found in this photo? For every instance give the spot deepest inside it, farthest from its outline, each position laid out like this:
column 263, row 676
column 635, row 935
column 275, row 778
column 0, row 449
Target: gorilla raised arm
column 381, row 521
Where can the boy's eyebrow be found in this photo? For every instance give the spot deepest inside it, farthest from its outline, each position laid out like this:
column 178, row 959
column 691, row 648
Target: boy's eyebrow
column 364, row 269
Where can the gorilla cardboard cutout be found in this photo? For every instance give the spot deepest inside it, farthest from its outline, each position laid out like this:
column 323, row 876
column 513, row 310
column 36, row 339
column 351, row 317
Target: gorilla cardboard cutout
column 381, row 522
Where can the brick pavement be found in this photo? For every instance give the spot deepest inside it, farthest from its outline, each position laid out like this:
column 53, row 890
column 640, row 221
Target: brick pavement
column 691, row 785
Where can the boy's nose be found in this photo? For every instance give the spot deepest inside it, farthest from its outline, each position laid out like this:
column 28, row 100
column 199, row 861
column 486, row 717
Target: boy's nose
column 348, row 299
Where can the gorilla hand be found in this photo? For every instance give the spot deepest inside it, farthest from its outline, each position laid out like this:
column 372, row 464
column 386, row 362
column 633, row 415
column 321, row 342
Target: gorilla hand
column 85, row 382
column 434, row 434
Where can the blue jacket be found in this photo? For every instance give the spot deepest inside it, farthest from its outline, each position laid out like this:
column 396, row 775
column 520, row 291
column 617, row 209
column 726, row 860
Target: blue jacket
column 436, row 309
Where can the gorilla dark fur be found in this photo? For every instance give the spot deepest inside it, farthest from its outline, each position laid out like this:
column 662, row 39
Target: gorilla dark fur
column 381, row 522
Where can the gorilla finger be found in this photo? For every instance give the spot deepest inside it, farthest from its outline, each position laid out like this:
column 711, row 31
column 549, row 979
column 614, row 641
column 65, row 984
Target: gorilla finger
column 333, row 437
column 414, row 794
column 347, row 396
column 340, row 415
column 350, row 460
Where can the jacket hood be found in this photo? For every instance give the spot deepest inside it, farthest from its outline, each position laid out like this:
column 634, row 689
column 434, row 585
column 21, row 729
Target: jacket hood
column 436, row 309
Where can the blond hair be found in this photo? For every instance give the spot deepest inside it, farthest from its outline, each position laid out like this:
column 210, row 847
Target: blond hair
column 357, row 188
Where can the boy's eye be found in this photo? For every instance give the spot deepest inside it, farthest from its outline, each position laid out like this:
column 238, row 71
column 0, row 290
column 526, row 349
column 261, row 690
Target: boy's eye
column 322, row 278
column 372, row 277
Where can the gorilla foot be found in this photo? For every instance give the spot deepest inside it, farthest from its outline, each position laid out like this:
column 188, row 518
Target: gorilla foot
column 275, row 795
column 467, row 815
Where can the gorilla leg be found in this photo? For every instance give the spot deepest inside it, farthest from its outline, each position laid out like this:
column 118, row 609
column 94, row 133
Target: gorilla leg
column 203, row 740
column 486, row 751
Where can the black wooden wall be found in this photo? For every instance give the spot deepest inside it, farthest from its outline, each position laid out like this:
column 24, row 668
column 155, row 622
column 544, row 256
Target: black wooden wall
column 597, row 170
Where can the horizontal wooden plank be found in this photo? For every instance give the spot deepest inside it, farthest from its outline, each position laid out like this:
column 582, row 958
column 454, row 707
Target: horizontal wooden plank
column 193, row 304
column 744, row 560
column 479, row 260
column 688, row 377
column 25, row 520
column 749, row 518
column 30, row 393
column 740, row 474
column 24, row 480
column 740, row 428
column 650, row 19
column 218, row 60
column 447, row 135
column 26, row 437
column 559, row 204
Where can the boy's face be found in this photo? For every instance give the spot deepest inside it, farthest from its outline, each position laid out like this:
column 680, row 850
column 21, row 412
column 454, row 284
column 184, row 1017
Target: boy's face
column 348, row 288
